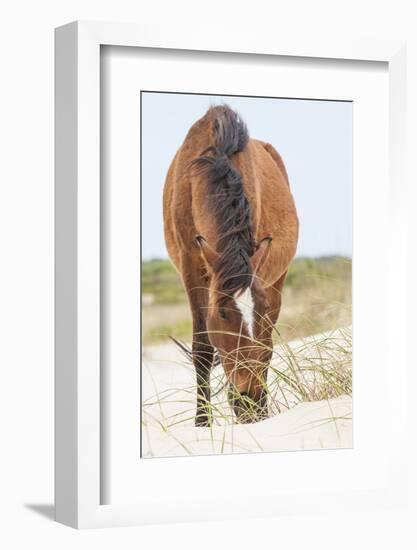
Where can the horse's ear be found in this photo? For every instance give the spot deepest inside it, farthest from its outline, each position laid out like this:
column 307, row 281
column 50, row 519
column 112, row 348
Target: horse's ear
column 208, row 253
column 261, row 253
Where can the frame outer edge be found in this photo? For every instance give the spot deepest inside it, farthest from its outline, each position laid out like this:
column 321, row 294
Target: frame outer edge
column 400, row 247
column 88, row 276
column 77, row 274
column 66, row 345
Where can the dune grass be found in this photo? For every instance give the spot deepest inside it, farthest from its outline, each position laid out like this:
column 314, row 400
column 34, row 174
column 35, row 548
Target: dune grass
column 314, row 368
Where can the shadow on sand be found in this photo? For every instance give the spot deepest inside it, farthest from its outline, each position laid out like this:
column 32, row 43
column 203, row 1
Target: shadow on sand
column 45, row 510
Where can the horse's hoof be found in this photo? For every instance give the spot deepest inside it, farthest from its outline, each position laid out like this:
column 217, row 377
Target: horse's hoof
column 202, row 422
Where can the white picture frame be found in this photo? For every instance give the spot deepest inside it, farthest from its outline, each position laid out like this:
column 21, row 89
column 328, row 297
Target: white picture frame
column 77, row 499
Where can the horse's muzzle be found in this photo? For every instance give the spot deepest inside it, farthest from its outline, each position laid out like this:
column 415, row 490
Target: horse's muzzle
column 247, row 410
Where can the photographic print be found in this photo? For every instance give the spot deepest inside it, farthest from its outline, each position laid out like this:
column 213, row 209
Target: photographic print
column 246, row 275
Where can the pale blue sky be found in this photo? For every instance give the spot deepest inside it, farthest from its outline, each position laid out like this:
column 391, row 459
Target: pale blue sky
column 314, row 139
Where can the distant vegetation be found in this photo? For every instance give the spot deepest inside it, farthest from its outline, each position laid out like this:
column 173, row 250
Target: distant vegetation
column 317, row 296
column 160, row 280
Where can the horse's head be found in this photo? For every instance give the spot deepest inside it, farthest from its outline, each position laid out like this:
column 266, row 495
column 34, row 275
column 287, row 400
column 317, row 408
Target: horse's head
column 237, row 326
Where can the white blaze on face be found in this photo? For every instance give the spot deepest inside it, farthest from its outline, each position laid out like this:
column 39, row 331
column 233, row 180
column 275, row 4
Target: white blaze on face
column 245, row 304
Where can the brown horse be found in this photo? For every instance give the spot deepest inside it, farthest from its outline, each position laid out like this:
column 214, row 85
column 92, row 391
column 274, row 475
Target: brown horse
column 231, row 230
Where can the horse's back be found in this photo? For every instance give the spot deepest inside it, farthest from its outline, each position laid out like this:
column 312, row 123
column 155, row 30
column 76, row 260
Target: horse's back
column 265, row 181
column 168, row 208
column 179, row 226
column 179, row 223
column 266, row 184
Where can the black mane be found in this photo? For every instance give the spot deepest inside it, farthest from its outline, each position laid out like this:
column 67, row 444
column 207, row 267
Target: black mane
column 236, row 243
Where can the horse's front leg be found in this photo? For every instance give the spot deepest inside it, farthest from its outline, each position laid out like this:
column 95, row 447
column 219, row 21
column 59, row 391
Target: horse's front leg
column 203, row 354
column 196, row 285
column 274, row 295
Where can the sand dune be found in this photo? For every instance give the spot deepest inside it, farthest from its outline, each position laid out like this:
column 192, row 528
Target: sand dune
column 168, row 393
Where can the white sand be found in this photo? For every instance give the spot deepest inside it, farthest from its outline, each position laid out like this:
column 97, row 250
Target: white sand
column 168, row 393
